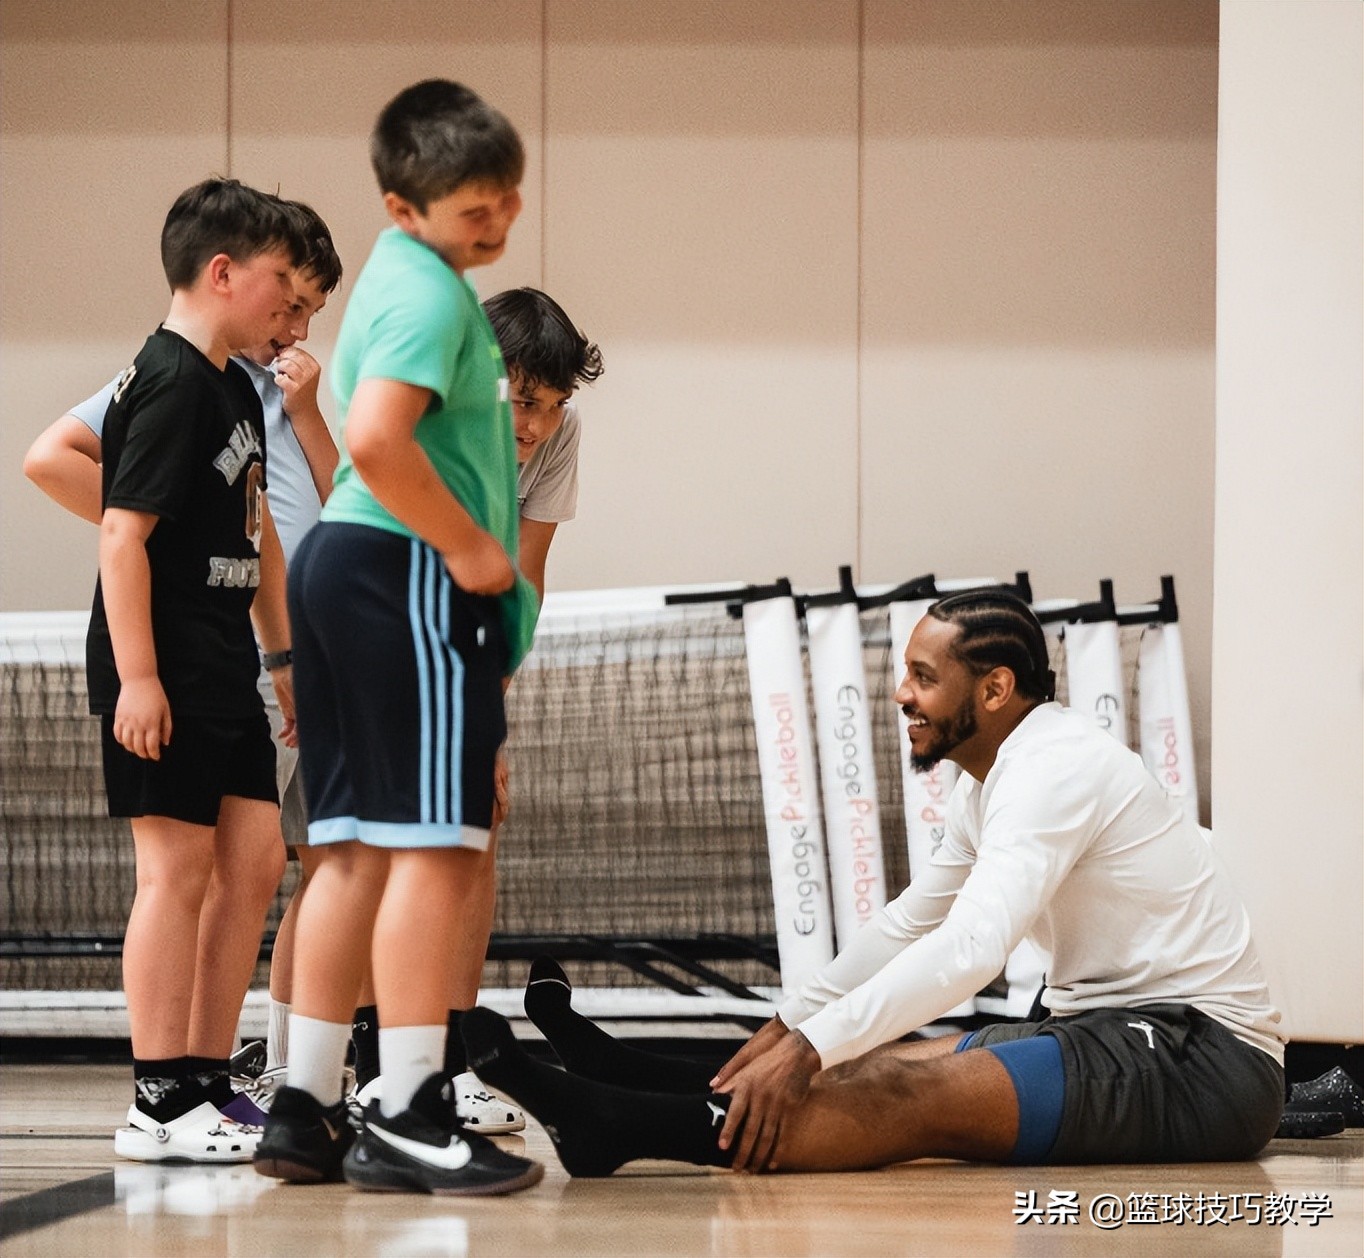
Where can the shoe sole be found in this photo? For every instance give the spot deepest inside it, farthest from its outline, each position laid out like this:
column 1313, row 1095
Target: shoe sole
column 138, row 1146
column 527, row 1179
column 495, row 1129
column 292, row 1172
column 1309, row 1125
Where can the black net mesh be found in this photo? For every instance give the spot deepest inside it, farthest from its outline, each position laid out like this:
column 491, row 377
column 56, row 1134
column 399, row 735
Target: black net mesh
column 636, row 800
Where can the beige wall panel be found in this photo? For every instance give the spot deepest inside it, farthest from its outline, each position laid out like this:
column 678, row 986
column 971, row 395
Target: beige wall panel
column 305, row 97
column 701, row 224
column 1038, row 263
column 107, row 114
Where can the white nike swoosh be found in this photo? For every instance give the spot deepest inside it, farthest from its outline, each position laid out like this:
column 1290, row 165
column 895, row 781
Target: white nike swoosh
column 717, row 1112
column 451, row 1157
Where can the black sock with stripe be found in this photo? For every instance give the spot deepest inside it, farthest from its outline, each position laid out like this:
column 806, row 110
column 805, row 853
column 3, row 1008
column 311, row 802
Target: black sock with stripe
column 596, row 1128
column 588, row 1051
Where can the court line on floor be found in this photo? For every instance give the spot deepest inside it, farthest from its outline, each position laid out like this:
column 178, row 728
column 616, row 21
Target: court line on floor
column 56, row 1204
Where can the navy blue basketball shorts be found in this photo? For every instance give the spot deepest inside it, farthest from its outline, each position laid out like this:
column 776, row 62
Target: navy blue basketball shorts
column 207, row 759
column 398, row 688
column 1158, row 1083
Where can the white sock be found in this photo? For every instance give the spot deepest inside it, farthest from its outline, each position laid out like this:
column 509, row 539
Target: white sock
column 277, row 1036
column 408, row 1056
column 318, row 1057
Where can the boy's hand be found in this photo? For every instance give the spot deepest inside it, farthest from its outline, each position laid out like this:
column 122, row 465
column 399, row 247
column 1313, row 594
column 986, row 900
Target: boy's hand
column 283, row 681
column 501, row 789
column 297, row 373
column 142, row 718
column 481, row 567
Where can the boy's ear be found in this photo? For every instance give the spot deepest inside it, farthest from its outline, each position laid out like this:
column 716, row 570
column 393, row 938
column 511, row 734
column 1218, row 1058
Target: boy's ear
column 400, row 210
column 217, row 271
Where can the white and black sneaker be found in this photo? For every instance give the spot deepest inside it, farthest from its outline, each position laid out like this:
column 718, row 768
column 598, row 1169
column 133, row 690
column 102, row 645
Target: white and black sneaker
column 424, row 1150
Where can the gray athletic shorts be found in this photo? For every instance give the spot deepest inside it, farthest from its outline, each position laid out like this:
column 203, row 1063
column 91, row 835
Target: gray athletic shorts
column 1159, row 1083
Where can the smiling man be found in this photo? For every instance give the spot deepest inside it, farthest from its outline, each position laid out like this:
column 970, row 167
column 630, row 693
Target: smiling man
column 1161, row 1043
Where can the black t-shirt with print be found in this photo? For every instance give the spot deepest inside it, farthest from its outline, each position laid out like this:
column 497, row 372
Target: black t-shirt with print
column 185, row 442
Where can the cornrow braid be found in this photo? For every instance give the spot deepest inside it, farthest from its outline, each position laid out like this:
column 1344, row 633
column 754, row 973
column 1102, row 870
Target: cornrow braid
column 998, row 629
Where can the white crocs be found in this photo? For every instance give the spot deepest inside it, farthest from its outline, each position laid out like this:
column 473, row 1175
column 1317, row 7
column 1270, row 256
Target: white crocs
column 475, row 1106
column 202, row 1135
column 478, row 1108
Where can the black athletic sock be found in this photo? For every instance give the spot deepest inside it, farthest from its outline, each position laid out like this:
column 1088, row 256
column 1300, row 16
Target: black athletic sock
column 588, row 1051
column 214, row 1076
column 364, row 1034
column 165, row 1088
column 455, row 1061
column 596, row 1128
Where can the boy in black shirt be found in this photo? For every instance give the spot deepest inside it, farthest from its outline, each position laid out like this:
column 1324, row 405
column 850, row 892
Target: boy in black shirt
column 188, row 556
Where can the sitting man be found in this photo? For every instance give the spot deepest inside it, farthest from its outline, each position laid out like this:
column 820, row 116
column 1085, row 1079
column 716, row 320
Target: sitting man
column 1161, row 1043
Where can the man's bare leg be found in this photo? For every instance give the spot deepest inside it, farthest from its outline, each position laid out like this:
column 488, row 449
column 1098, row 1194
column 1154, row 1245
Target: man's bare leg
column 903, row 1102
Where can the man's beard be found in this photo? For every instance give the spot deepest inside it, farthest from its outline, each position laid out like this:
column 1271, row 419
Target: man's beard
column 947, row 737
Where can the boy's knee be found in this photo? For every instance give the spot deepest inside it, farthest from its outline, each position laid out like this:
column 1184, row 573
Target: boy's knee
column 181, row 879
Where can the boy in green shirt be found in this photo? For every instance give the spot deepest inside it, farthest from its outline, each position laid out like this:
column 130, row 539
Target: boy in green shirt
column 408, row 613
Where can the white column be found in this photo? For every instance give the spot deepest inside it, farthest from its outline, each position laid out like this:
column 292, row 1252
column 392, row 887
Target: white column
column 1288, row 594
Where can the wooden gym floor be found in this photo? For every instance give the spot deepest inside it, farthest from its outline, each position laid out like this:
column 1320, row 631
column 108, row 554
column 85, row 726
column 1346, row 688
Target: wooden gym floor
column 62, row 1192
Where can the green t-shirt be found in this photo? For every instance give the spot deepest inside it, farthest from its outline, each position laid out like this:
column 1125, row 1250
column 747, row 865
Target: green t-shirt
column 411, row 318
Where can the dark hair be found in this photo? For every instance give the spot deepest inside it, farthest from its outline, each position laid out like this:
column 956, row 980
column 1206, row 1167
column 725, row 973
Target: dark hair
column 223, row 216
column 320, row 259
column 539, row 341
column 435, row 136
column 998, row 629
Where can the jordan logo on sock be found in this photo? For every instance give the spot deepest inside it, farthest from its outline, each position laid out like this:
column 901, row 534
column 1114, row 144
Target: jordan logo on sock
column 717, row 1113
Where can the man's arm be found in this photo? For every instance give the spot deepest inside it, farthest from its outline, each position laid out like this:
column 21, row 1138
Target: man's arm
column 64, row 462
column 381, row 437
column 142, row 717
column 919, row 909
column 536, row 536
column 297, row 374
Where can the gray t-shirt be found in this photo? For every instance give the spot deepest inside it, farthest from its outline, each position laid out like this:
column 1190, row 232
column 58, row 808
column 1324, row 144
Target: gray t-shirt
column 547, row 482
column 294, row 503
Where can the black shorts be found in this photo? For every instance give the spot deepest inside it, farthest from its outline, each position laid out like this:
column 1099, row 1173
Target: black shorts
column 398, row 685
column 206, row 760
column 1159, row 1083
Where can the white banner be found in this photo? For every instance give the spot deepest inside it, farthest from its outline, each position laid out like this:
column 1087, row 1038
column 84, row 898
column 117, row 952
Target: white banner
column 786, row 759
column 925, row 793
column 852, row 816
column 1094, row 675
column 1166, row 727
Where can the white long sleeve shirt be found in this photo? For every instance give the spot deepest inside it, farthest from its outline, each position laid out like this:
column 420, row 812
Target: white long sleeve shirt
column 1070, row 842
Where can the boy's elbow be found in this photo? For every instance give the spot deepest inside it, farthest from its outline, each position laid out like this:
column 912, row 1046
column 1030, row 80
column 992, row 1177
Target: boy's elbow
column 369, row 453
column 38, row 466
